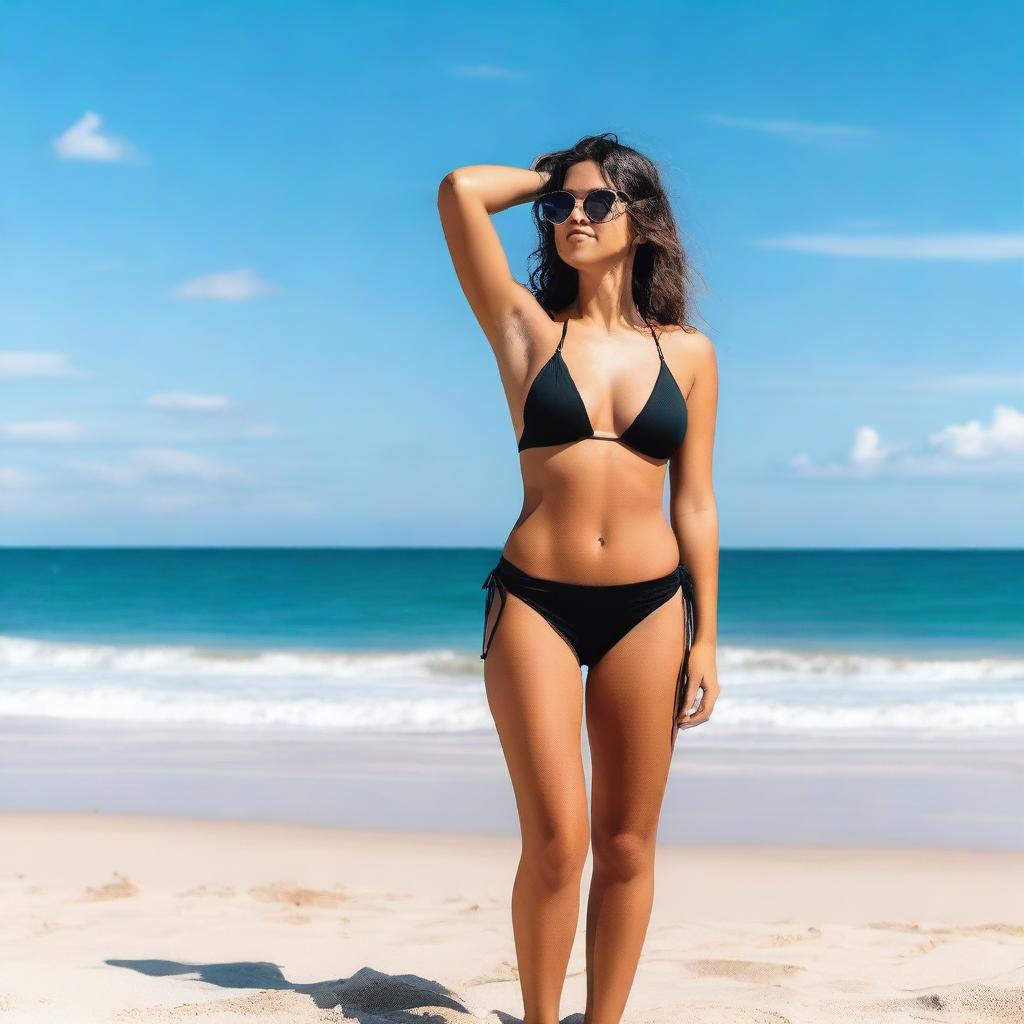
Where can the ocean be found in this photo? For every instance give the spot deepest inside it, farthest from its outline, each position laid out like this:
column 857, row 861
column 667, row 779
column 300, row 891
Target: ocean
column 822, row 646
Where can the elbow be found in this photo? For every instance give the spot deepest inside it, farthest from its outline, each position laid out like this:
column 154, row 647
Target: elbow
column 695, row 505
column 445, row 188
column 452, row 183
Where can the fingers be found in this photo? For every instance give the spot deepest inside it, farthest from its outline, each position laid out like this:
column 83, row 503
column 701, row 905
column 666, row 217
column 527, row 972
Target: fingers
column 702, row 713
column 690, row 695
column 702, row 677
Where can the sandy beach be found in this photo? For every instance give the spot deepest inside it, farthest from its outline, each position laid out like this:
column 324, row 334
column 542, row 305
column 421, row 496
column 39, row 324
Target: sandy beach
column 136, row 918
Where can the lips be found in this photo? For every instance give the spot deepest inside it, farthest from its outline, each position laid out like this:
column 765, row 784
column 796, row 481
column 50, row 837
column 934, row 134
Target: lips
column 578, row 232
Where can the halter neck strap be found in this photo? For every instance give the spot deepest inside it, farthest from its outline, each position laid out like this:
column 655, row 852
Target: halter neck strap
column 565, row 327
column 655, row 336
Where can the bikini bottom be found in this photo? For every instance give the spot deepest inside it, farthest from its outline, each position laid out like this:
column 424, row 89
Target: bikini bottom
column 590, row 618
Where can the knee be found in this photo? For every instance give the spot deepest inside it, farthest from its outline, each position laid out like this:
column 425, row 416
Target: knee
column 623, row 855
column 558, row 858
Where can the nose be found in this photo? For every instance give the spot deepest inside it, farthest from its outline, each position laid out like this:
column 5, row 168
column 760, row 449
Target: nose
column 577, row 217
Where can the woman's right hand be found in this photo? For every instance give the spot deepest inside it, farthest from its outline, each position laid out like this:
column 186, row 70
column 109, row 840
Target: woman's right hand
column 541, row 165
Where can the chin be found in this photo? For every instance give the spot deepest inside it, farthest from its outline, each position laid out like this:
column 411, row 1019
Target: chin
column 577, row 259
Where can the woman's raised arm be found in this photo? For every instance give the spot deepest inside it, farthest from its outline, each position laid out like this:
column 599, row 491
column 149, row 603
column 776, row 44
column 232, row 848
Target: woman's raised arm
column 466, row 199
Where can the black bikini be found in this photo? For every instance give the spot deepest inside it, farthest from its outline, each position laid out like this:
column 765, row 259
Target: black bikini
column 592, row 618
column 554, row 412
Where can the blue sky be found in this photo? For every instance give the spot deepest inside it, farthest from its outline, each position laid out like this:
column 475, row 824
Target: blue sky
column 227, row 313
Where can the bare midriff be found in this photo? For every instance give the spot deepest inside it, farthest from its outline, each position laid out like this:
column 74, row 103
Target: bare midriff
column 592, row 514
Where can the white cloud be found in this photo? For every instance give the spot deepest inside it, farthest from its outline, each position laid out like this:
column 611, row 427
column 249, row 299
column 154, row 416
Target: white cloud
column 865, row 456
column 485, row 71
column 84, row 141
column 13, row 478
column 973, row 440
column 960, row 449
column 798, row 131
column 47, row 431
column 867, row 450
column 23, row 365
column 967, row 247
column 156, row 464
column 186, row 401
column 224, row 286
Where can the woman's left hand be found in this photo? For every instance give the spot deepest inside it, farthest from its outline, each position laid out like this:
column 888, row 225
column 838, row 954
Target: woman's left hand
column 703, row 675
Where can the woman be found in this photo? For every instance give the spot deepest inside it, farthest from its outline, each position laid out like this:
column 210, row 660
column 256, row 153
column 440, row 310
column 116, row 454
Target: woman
column 592, row 573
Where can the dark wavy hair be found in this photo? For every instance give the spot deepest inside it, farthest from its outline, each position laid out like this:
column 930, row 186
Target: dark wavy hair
column 662, row 281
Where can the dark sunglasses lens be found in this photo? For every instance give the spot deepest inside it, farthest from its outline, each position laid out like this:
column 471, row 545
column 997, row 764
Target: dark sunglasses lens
column 598, row 205
column 556, row 207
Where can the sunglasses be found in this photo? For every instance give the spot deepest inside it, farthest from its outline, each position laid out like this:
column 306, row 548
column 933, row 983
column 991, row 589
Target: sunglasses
column 598, row 204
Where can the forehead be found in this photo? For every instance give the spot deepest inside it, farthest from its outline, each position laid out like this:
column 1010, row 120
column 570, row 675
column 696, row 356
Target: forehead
column 583, row 176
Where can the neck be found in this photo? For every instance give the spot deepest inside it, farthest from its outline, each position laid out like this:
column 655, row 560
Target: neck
column 606, row 301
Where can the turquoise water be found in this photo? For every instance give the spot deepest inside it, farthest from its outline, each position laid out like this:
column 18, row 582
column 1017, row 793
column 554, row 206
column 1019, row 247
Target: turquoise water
column 809, row 640
column 964, row 602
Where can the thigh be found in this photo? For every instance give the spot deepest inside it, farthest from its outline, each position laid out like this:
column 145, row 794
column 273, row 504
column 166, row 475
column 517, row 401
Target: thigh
column 535, row 693
column 630, row 704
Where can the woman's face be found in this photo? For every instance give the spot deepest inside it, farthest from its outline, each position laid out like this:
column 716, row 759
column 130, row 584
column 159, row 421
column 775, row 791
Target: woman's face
column 579, row 241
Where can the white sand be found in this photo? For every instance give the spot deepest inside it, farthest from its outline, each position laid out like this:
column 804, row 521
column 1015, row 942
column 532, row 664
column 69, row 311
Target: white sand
column 111, row 918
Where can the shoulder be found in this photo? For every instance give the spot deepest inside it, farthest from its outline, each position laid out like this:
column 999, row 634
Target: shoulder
column 691, row 347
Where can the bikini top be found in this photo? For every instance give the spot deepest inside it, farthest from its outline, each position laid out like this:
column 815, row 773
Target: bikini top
column 554, row 412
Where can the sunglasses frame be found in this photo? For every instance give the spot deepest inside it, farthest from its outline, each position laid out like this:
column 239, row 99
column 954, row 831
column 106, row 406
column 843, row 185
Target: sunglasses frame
column 577, row 201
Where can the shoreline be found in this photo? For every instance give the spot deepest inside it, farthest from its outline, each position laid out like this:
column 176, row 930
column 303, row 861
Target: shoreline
column 964, row 796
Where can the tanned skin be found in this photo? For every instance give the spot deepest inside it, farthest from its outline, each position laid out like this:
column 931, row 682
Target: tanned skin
column 592, row 513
